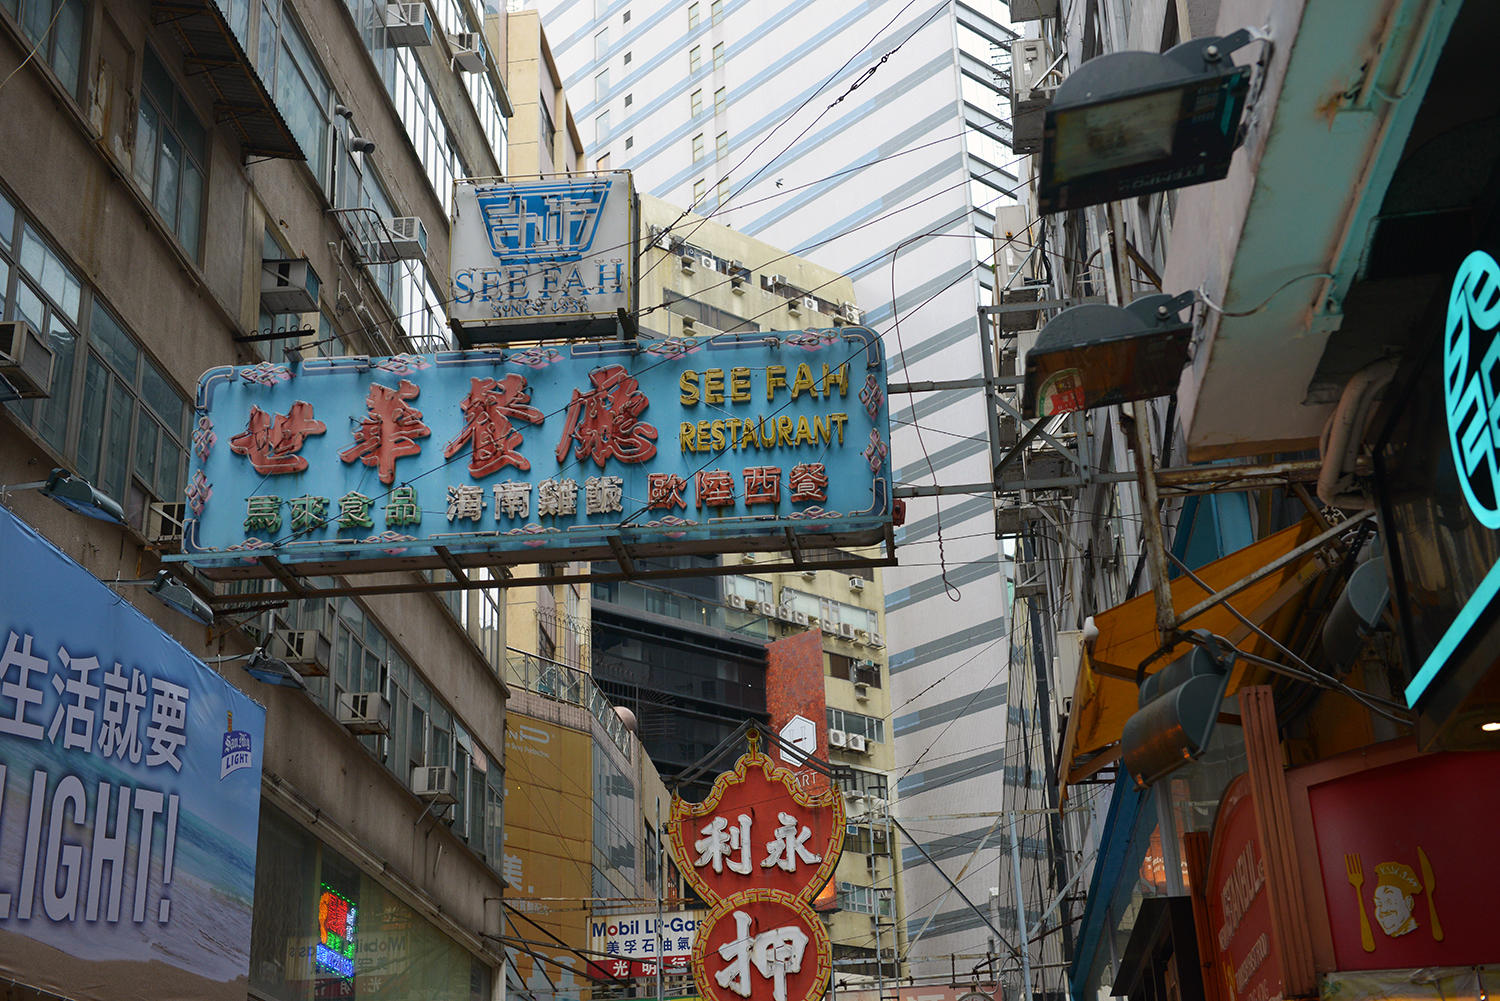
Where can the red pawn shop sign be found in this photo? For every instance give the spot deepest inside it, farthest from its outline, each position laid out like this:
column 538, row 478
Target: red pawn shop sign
column 758, row 850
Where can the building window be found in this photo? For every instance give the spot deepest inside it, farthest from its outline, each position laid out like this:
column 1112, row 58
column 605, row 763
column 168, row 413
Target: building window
column 601, row 43
column 170, row 153
column 695, row 58
column 55, row 27
column 716, row 11
column 723, row 192
column 721, row 100
column 719, row 56
column 601, row 85
column 692, row 16
column 303, row 94
column 700, row 189
column 695, row 103
column 601, row 128
column 627, row 59
column 629, row 100
column 868, row 727
column 721, row 145
column 625, row 17
column 857, row 780
column 629, row 141
column 697, row 147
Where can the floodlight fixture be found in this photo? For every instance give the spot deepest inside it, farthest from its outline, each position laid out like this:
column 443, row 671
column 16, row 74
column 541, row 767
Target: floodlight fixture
column 176, row 596
column 74, row 493
column 1179, row 706
column 1128, row 124
column 273, row 670
column 1095, row 355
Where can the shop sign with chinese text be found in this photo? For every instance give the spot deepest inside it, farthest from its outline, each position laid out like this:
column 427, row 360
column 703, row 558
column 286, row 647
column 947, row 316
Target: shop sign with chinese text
column 542, row 258
column 759, row 849
column 130, row 777
column 687, row 445
column 632, row 947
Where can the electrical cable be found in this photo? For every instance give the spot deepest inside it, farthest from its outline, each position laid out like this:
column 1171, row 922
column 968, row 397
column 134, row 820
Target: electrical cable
column 1203, row 295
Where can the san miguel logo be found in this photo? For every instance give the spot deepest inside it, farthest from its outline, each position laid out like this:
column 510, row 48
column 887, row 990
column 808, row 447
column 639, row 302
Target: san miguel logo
column 758, row 850
column 1471, row 354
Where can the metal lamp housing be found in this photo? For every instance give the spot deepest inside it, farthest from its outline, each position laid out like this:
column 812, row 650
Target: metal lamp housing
column 78, row 495
column 1095, row 355
column 1128, row 124
column 1179, row 706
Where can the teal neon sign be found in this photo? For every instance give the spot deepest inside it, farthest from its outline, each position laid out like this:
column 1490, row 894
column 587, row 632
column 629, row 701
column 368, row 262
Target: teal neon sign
column 1471, row 356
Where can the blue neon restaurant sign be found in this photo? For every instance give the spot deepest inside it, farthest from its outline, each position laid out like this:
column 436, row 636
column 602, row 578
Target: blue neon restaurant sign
column 1471, row 355
column 669, row 445
column 130, row 775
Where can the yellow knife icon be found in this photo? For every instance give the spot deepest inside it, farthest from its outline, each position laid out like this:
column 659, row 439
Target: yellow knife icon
column 1429, row 884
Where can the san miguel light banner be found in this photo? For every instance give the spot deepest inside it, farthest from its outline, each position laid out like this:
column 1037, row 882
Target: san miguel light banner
column 542, row 258
column 129, row 793
column 488, row 457
column 758, row 850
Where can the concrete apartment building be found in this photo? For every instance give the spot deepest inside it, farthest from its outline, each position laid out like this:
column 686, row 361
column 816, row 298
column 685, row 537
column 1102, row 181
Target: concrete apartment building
column 155, row 157
column 724, row 106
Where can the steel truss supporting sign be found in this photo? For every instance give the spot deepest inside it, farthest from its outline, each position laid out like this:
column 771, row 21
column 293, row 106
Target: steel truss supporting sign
column 597, row 451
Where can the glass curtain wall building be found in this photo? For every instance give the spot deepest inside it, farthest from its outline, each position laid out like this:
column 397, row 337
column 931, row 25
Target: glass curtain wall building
column 734, row 107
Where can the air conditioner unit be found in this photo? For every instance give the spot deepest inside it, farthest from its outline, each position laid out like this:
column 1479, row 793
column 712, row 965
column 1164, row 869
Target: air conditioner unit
column 877, row 833
column 288, row 286
column 365, row 712
column 25, row 359
column 308, row 650
column 876, row 640
column 689, row 262
column 747, row 557
column 401, row 239
column 164, row 522
column 468, row 51
column 810, row 304
column 856, row 743
column 831, row 628
column 736, row 601
column 660, row 238
column 708, row 264
column 408, row 24
column 837, row 738
column 1030, row 59
column 856, row 583
column 800, row 618
column 765, row 608
column 854, row 795
column 774, row 280
column 851, row 312
column 888, row 954
column 862, row 636
column 846, row 630
column 434, row 783
column 810, row 574
column 785, row 614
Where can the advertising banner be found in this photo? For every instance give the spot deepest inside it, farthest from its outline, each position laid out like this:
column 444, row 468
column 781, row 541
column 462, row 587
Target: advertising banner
column 129, row 794
column 729, row 443
column 631, row 939
column 544, row 258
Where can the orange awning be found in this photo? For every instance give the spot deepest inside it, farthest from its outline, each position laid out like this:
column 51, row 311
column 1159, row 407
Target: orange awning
column 1103, row 698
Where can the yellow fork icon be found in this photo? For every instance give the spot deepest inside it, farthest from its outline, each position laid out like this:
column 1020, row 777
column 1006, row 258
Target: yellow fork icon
column 1356, row 871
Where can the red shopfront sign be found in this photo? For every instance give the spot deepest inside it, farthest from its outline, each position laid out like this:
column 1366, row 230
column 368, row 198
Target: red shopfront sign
column 758, row 850
column 1239, row 903
column 1407, row 865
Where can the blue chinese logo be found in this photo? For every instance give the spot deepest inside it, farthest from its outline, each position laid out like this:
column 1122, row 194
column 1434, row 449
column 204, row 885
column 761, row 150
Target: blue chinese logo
column 546, row 222
column 1471, row 352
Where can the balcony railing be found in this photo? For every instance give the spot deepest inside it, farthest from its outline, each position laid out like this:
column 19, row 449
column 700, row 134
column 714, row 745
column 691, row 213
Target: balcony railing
column 561, row 683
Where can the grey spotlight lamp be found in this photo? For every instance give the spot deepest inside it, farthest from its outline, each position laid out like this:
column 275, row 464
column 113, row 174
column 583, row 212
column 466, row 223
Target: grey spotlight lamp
column 273, row 670
column 1095, row 355
column 1179, row 706
column 175, row 595
column 1127, row 124
column 359, row 144
column 76, row 494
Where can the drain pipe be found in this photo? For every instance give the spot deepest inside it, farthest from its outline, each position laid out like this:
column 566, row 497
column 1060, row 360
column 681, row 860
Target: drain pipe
column 1345, row 432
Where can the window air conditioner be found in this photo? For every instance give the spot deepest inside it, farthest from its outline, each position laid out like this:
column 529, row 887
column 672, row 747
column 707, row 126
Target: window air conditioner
column 365, row 712
column 774, row 280
column 708, row 263
column 434, row 783
column 800, row 618
column 288, row 286
column 810, row 304
column 408, row 24
column 856, row 743
column 308, row 650
column 876, row 640
column 837, row 738
column 856, row 583
column 468, row 51
column 660, row 238
column 851, row 312
column 401, row 239
column 25, row 359
column 736, row 601
column 831, row 628
column 785, row 614
column 747, row 557
column 164, row 523
column 846, row 630
column 765, row 608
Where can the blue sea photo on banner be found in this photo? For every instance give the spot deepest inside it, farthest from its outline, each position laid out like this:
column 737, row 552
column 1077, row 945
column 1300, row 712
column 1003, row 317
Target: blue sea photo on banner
column 717, row 444
column 131, row 793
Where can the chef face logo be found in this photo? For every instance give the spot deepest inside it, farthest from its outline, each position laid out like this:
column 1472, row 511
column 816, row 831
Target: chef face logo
column 1471, row 355
column 1394, row 892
